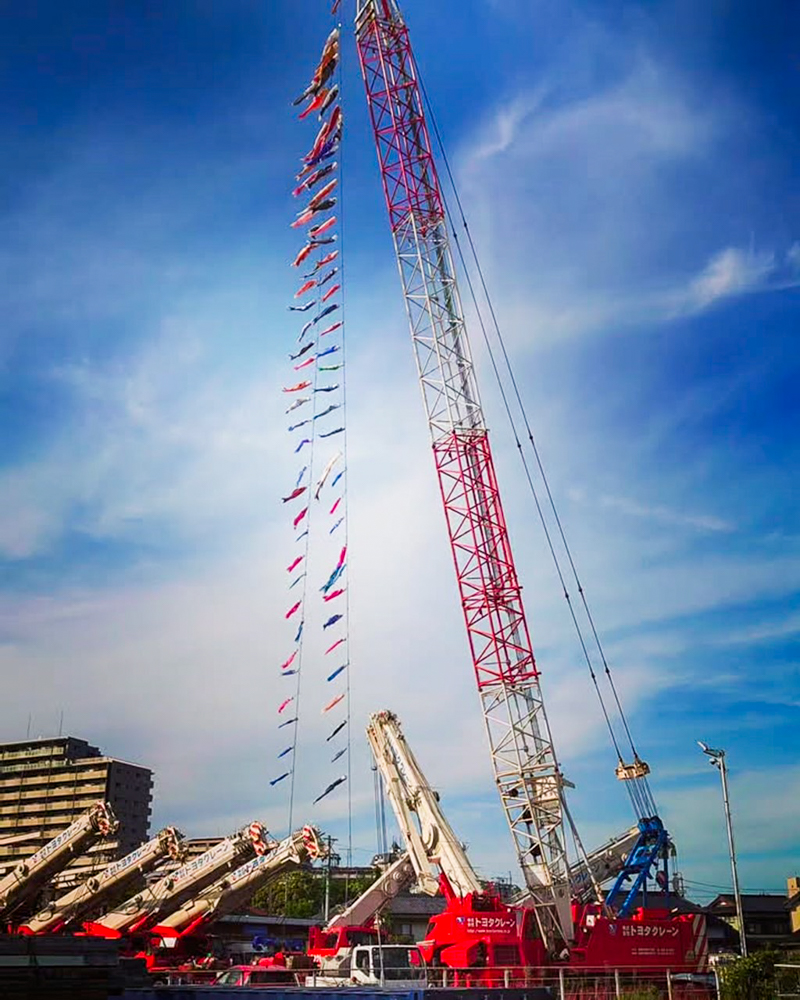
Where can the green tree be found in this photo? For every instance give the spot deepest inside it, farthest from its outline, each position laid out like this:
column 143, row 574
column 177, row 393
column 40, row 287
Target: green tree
column 751, row 978
column 302, row 893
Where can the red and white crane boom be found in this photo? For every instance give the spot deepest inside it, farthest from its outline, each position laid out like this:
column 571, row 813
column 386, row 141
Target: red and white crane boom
column 526, row 768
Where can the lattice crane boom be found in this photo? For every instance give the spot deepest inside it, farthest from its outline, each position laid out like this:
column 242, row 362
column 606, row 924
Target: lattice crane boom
column 525, row 765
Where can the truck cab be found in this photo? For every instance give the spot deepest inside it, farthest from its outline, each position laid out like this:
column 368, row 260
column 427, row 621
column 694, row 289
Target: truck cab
column 390, row 964
column 396, row 965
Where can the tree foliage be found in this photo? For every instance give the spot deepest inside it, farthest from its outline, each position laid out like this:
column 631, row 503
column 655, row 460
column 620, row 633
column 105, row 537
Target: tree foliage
column 302, row 893
column 751, row 978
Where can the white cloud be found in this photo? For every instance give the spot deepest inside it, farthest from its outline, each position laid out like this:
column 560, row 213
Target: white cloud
column 590, row 209
column 665, row 515
column 767, row 632
column 730, row 272
column 165, row 439
column 764, row 822
column 506, row 125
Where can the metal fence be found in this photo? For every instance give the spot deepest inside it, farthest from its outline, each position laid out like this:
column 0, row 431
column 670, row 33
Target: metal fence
column 524, row 983
column 583, row 984
column 787, row 981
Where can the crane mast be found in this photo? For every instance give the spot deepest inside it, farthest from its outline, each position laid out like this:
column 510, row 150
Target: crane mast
column 525, row 765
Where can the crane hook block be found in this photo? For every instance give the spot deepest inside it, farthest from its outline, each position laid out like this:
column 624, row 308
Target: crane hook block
column 630, row 772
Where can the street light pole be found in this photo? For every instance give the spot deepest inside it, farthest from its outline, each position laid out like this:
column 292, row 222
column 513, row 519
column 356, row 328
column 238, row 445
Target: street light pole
column 717, row 759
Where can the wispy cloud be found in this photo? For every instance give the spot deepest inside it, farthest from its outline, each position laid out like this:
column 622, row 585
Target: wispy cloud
column 731, row 272
column 657, row 512
column 588, row 199
column 506, row 126
column 768, row 632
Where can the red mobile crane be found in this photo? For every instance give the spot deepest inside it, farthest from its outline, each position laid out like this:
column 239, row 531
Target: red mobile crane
column 526, row 769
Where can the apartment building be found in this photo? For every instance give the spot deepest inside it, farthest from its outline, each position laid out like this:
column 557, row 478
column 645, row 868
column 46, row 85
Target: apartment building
column 45, row 784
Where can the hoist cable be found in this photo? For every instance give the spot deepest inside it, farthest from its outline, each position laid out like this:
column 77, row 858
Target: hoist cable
column 524, row 461
column 533, row 490
column 303, row 606
column 641, row 797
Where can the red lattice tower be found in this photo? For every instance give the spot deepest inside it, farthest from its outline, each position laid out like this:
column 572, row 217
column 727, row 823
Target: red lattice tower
column 525, row 766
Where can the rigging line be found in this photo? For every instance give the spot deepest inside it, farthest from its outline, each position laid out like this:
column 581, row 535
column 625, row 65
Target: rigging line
column 524, row 415
column 346, row 477
column 528, row 475
column 304, row 595
column 534, row 493
column 384, row 838
column 523, row 412
column 377, row 809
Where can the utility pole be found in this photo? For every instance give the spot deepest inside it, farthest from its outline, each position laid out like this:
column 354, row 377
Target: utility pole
column 717, row 759
column 328, row 863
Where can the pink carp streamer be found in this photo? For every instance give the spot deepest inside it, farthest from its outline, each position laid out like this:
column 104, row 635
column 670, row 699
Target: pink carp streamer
column 319, row 184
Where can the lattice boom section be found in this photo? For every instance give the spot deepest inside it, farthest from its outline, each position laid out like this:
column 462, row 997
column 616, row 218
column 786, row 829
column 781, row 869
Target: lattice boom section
column 529, row 784
column 401, row 133
column 437, row 329
column 487, row 577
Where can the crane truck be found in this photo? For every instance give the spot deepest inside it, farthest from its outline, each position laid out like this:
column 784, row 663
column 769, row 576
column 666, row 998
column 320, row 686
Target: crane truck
column 21, row 885
column 91, row 894
column 348, row 950
column 527, row 772
column 476, row 924
column 141, row 910
column 224, row 895
column 172, row 947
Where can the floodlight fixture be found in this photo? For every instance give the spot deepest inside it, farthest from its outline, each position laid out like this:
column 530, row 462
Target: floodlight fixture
column 717, row 759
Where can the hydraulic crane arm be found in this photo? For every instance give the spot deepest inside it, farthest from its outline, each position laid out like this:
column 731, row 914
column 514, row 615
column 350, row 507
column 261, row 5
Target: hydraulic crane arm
column 24, row 881
column 428, row 836
column 526, row 769
column 175, row 887
column 398, row 877
column 91, row 894
column 228, row 892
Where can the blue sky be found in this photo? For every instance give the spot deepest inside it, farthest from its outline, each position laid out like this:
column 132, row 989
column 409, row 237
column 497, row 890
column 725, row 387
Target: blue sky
column 628, row 171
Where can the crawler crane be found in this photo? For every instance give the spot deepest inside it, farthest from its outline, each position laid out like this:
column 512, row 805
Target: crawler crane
column 476, row 921
column 526, row 769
